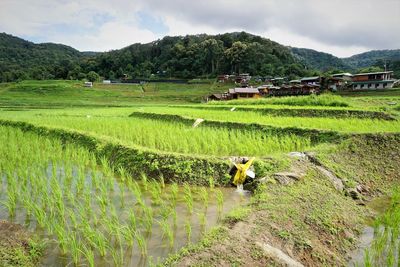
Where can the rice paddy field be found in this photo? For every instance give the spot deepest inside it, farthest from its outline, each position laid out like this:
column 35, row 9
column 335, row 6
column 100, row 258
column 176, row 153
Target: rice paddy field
column 76, row 190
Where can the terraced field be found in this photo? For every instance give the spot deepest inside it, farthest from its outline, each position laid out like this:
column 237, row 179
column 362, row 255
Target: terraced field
column 151, row 178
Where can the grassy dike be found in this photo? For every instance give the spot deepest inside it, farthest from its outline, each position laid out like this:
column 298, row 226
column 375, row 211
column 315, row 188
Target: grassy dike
column 284, row 111
column 173, row 166
column 309, row 221
column 18, row 247
column 316, row 136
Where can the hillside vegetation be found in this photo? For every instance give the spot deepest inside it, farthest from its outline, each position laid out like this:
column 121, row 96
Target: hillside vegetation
column 181, row 56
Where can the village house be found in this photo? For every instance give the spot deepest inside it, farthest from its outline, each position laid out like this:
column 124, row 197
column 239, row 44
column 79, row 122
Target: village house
column 339, row 81
column 373, row 80
column 223, row 78
column 248, row 92
column 311, row 80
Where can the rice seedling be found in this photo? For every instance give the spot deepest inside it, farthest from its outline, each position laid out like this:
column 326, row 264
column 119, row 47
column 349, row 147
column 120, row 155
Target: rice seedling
column 220, row 199
column 89, row 256
column 141, row 243
column 167, row 232
column 62, row 237
column 75, row 248
column 148, row 218
column 188, row 197
column 188, row 229
column 202, row 219
column 211, row 182
column 174, row 192
column 156, row 191
column 162, row 181
column 204, row 196
column 144, row 180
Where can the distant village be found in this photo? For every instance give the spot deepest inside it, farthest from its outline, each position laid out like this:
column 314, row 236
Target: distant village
column 279, row 86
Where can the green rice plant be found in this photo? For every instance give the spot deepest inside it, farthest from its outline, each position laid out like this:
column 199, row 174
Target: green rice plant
column 141, row 243
column 167, row 232
column 62, row 237
column 40, row 215
column 118, row 259
column 147, row 218
column 211, row 182
column 155, row 191
column 188, row 197
column 202, row 219
column 220, row 199
column 204, row 196
column 174, row 215
column 144, row 180
column 75, row 249
column 165, row 211
column 162, row 181
column 122, row 174
column 132, row 221
column 188, row 229
column 174, row 192
column 89, row 255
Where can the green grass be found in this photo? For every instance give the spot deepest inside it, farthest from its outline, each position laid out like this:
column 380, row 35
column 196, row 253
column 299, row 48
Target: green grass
column 310, row 100
column 57, row 94
column 345, row 125
column 172, row 137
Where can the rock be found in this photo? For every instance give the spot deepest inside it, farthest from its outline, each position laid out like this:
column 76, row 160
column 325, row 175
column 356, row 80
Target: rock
column 362, row 189
column 353, row 193
column 336, row 182
column 286, row 178
column 300, row 155
column 278, row 255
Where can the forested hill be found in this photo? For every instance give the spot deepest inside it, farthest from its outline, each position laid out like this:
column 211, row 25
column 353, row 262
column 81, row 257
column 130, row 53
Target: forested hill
column 188, row 56
column 373, row 58
column 183, row 57
column 369, row 61
column 201, row 55
column 320, row 60
column 20, row 59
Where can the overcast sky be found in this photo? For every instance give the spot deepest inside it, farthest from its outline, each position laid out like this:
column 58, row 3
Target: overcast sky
column 339, row 27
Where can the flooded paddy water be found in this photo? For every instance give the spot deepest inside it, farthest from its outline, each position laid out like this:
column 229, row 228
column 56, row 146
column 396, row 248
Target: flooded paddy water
column 91, row 214
column 378, row 243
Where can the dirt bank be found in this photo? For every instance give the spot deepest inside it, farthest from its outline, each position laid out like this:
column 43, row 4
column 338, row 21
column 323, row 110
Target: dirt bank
column 17, row 246
column 308, row 221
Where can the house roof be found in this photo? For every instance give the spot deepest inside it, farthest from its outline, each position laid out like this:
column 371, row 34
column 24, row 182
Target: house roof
column 247, row 90
column 342, row 74
column 371, row 73
column 310, row 78
column 217, row 95
column 294, row 81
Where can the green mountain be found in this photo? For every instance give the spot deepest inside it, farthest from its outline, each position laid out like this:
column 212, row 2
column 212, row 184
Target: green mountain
column 187, row 56
column 20, row 59
column 201, row 56
column 373, row 58
column 320, row 60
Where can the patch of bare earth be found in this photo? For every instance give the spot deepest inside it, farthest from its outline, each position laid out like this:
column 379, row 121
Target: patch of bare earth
column 16, row 246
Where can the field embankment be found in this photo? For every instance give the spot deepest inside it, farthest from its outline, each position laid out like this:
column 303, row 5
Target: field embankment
column 307, row 222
